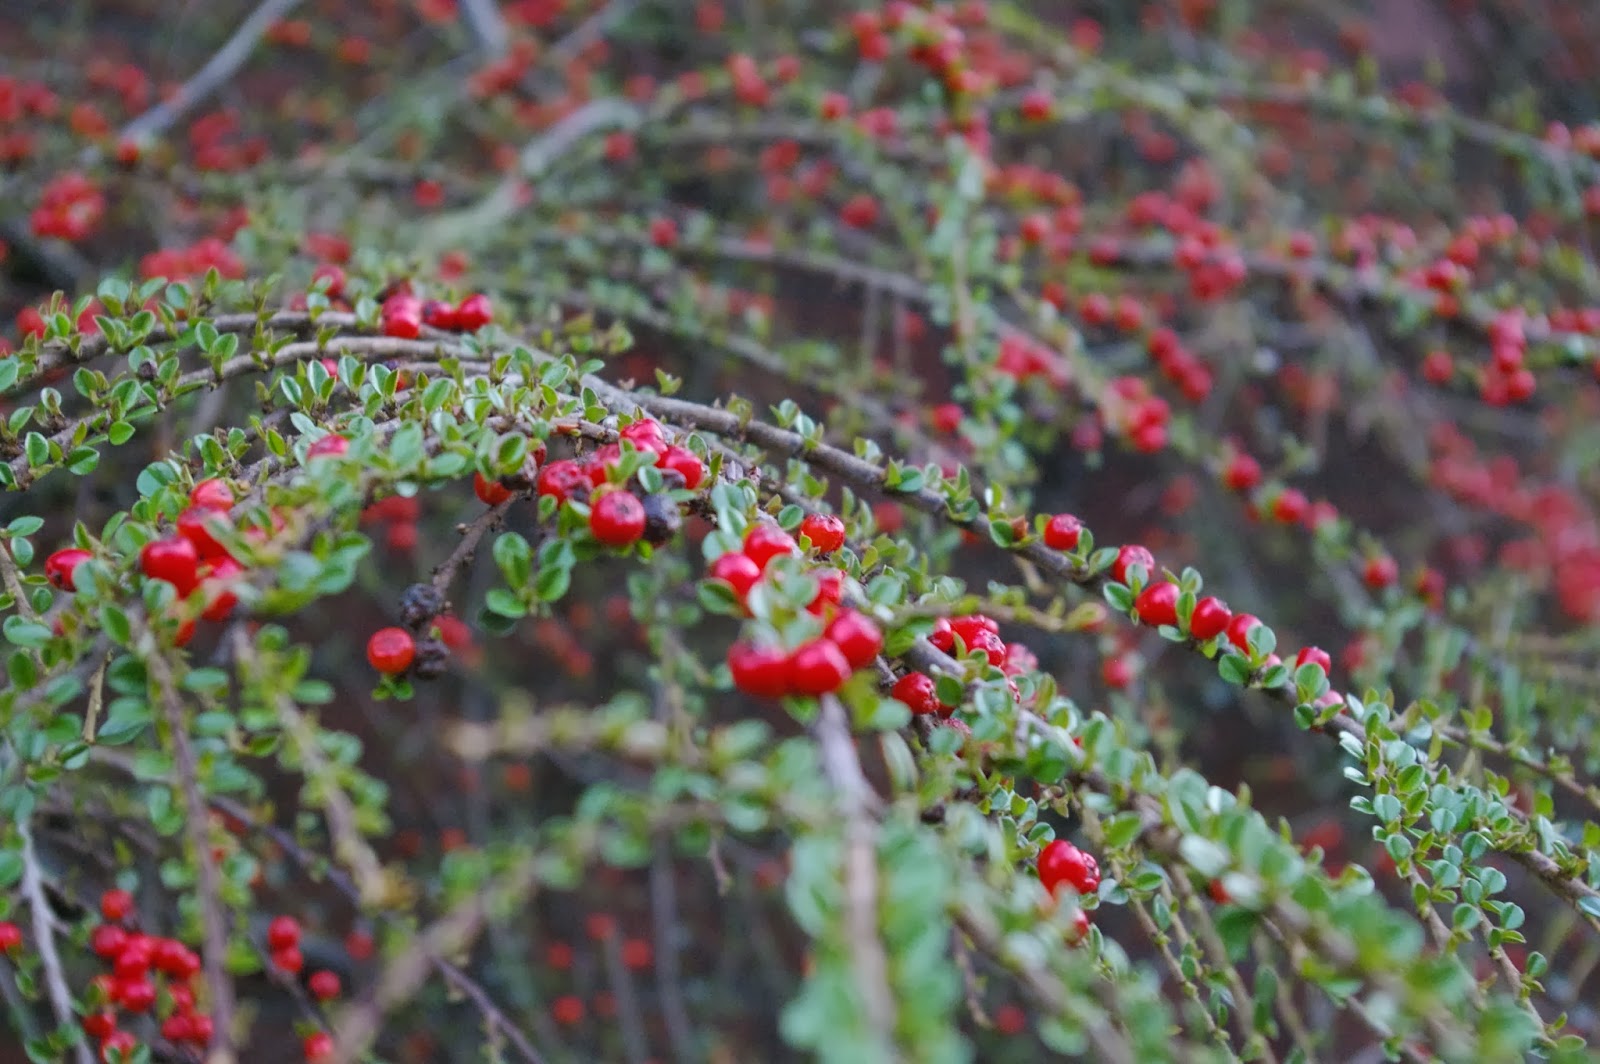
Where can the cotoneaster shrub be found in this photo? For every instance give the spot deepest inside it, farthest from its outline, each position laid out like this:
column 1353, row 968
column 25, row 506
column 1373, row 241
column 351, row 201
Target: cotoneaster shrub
column 729, row 531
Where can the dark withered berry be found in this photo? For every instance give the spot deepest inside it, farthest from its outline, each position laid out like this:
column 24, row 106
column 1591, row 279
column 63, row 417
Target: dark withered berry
column 432, row 661
column 420, row 604
column 661, row 519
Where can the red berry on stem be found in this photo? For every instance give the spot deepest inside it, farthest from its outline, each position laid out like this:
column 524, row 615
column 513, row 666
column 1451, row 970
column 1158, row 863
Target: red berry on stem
column 737, row 570
column 825, row 531
column 324, row 985
column 818, row 668
column 1061, row 532
column 59, row 567
column 617, row 519
column 331, row 445
column 193, row 525
column 212, row 494
column 1128, row 556
column 107, row 941
column 918, row 692
column 10, row 937
column 1210, row 618
column 1316, row 656
column 174, row 560
column 288, row 960
column 474, row 312
column 318, row 1047
column 759, row 670
column 1158, row 604
column 562, row 480
column 118, row 1046
column 489, row 492
column 1239, row 630
column 390, row 651
column 1063, row 863
column 857, row 637
column 283, row 932
column 764, row 541
column 645, row 435
column 116, row 905
column 684, row 462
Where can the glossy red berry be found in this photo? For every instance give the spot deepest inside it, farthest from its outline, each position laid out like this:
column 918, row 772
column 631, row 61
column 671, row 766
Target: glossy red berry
column 489, row 492
column 1239, row 630
column 317, row 1047
column 288, row 960
column 118, row 1046
column 212, row 494
column 1116, row 672
column 107, row 940
column 857, row 637
column 324, row 985
column 135, row 995
column 645, row 435
column 919, row 692
column 1127, row 557
column 390, row 651
column 116, row 905
column 474, row 312
column 818, row 668
column 1063, row 863
column 100, row 1025
column 10, row 937
column 617, row 518
column 737, row 570
column 200, row 1029
column 759, row 670
column 1061, row 532
column 764, row 541
column 825, row 531
column 402, row 316
column 284, row 931
column 1316, row 656
column 194, row 525
column 174, row 560
column 1158, row 604
column 1380, row 571
column 685, row 463
column 563, row 480
column 1210, row 618
column 332, row 445
column 59, row 567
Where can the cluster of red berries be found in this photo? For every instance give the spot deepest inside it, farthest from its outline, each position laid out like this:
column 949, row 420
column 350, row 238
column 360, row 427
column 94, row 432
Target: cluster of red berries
column 404, row 315
column 136, row 959
column 190, row 560
column 1063, row 864
column 850, row 640
column 69, row 208
column 182, row 263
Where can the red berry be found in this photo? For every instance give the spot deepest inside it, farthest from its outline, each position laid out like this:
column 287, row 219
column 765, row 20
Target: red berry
column 59, row 567
column 830, row 591
column 764, row 541
column 1316, row 656
column 333, row 275
column 645, row 435
column 684, row 462
column 1061, row 862
column 1210, row 618
column 200, row 1028
column 332, row 445
column 1158, row 604
column 617, row 518
column 563, row 480
column 135, row 995
column 116, row 905
column 857, row 637
column 324, row 985
column 759, row 670
column 437, row 314
column 825, row 531
column 220, row 601
column 1380, row 572
column 1061, row 532
column 1129, row 556
column 176, row 1028
column 134, row 960
column 107, row 941
column 10, row 937
column 1116, row 672
column 818, row 668
column 318, row 1047
column 1239, row 630
column 390, row 651
column 737, row 570
column 193, row 525
column 100, row 1025
column 174, row 560
column 473, row 313
column 489, row 492
column 288, row 960
column 171, row 956
column 663, row 232
column 1243, row 472
column 284, row 931
column 402, row 317
column 118, row 1046
column 212, row 494
column 919, row 693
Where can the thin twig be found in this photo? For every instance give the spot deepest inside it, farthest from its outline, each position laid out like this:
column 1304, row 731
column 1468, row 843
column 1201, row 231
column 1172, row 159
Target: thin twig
column 44, row 938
